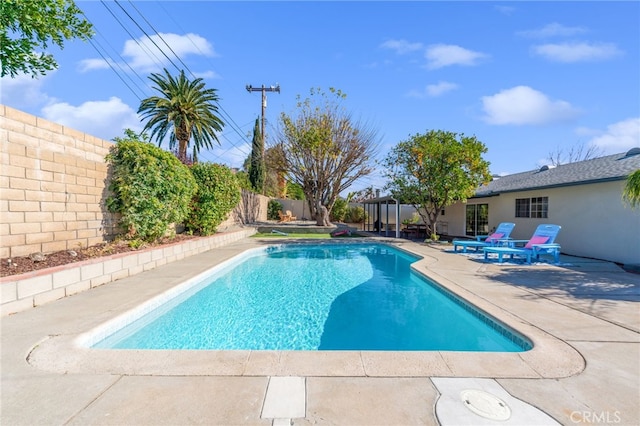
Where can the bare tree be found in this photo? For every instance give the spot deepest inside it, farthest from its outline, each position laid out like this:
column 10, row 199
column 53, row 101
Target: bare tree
column 573, row 154
column 325, row 150
column 362, row 195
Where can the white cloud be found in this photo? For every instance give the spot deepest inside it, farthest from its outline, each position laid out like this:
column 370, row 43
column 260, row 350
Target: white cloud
column 523, row 105
column 145, row 56
column 207, row 74
column 103, row 119
column 505, row 10
column 586, row 131
column 440, row 88
column 433, row 90
column 92, row 64
column 146, row 53
column 413, row 93
column 619, row 137
column 401, row 46
column 577, row 52
column 23, row 92
column 442, row 55
column 553, row 30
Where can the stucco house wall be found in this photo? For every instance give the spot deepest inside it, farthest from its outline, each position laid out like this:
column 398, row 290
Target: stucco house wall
column 454, row 216
column 595, row 221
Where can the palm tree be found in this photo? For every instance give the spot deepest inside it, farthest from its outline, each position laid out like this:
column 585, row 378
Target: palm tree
column 185, row 109
column 631, row 191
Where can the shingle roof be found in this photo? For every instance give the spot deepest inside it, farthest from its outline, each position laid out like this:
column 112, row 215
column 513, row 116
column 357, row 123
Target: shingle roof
column 611, row 167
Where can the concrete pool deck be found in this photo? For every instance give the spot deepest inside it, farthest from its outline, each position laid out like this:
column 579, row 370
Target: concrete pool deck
column 582, row 316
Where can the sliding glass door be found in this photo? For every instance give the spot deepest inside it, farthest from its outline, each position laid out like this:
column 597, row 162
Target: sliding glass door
column 477, row 219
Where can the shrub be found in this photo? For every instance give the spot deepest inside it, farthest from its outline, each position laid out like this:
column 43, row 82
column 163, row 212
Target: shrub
column 294, row 191
column 339, row 210
column 355, row 215
column 150, row 187
column 415, row 218
column 272, row 210
column 218, row 193
column 243, row 181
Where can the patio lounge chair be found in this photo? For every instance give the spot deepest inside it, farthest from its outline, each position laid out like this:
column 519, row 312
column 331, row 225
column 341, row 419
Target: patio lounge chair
column 500, row 235
column 283, row 217
column 541, row 242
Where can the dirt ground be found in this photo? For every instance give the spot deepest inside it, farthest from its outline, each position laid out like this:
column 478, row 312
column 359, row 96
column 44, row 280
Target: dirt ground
column 24, row 264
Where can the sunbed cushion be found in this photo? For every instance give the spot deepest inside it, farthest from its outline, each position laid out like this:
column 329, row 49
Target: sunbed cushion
column 536, row 239
column 495, row 236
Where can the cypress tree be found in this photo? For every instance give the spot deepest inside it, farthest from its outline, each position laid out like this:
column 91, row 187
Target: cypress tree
column 257, row 167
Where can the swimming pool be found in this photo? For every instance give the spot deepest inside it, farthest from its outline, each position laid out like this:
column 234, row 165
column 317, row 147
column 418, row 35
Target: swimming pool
column 311, row 297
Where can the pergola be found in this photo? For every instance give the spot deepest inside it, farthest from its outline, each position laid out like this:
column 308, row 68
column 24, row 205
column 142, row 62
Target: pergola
column 374, row 208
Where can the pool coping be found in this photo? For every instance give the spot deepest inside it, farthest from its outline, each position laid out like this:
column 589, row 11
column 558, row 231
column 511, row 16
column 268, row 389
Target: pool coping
column 550, row 357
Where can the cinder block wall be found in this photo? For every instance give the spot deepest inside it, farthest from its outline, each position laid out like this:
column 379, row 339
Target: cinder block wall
column 52, row 186
column 251, row 209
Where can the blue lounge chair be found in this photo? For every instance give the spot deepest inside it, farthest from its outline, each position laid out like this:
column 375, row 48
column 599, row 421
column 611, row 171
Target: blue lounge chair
column 541, row 242
column 502, row 233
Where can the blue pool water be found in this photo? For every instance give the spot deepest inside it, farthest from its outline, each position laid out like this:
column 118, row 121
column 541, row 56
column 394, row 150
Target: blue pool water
column 318, row 297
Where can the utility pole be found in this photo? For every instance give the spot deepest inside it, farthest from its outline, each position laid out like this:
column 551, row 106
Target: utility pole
column 264, row 91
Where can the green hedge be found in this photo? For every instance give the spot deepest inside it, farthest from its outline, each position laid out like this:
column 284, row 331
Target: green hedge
column 218, row 193
column 272, row 210
column 339, row 210
column 150, row 188
column 355, row 214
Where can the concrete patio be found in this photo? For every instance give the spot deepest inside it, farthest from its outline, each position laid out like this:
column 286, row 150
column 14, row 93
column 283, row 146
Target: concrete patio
column 582, row 315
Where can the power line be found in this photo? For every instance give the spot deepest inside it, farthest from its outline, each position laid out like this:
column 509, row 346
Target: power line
column 186, row 67
column 228, row 117
column 114, row 70
column 161, row 38
column 158, row 47
column 97, row 47
column 228, row 149
column 148, row 36
column 151, row 55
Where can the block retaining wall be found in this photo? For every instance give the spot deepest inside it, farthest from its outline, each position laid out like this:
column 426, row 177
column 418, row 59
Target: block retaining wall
column 25, row 291
column 53, row 182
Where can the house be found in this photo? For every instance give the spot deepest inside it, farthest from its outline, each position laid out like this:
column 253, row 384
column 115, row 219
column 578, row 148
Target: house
column 584, row 197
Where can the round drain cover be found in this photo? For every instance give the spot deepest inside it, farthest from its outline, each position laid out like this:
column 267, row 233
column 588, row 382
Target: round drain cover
column 486, row 405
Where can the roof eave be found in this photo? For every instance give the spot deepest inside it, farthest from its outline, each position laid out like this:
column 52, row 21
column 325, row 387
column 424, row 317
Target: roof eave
column 556, row 185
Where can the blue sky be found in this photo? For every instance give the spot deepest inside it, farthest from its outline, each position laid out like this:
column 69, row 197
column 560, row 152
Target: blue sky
column 525, row 78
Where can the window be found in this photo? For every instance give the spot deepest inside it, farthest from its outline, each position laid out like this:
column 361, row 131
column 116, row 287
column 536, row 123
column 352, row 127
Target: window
column 522, row 207
column 540, row 207
column 536, row 207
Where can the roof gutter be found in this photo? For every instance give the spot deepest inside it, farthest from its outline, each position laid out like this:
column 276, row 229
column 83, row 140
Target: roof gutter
column 555, row 185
